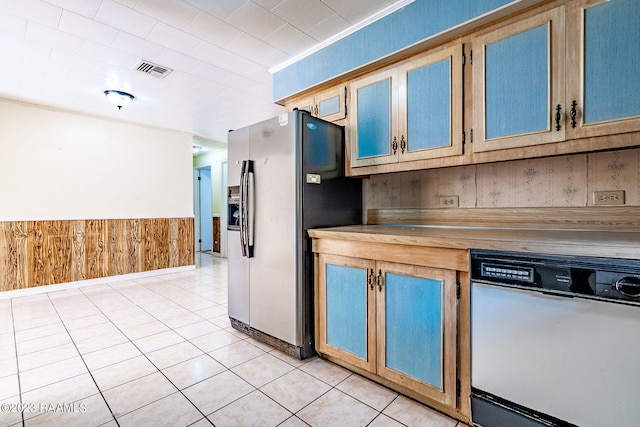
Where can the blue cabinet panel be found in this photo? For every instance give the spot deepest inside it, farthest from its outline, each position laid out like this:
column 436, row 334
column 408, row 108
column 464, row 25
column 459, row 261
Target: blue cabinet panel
column 429, row 106
column 414, row 327
column 407, row 26
column 329, row 106
column 612, row 61
column 346, row 312
column 517, row 84
column 374, row 119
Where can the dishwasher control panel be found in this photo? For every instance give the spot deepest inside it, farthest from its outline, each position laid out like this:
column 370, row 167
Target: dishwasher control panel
column 511, row 272
column 587, row 277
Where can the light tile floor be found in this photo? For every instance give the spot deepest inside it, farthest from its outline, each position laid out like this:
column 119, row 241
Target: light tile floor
column 160, row 351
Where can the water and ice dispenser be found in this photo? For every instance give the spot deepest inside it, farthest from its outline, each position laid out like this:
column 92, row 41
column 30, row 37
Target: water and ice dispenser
column 233, row 207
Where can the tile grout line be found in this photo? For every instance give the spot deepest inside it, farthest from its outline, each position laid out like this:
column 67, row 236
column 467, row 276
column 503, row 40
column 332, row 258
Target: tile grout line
column 171, row 329
column 169, row 290
column 15, row 344
column 227, row 369
column 145, row 354
column 82, row 358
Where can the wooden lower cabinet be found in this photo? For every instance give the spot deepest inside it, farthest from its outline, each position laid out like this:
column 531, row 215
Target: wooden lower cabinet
column 395, row 320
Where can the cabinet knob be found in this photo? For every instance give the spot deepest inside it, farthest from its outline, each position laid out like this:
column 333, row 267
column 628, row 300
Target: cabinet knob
column 394, row 145
column 573, row 113
column 558, row 116
column 403, row 144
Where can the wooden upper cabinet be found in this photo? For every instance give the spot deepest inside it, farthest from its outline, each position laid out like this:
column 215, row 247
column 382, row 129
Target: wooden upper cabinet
column 328, row 104
column 412, row 111
column 518, row 83
column 558, row 79
column 603, row 81
column 307, row 103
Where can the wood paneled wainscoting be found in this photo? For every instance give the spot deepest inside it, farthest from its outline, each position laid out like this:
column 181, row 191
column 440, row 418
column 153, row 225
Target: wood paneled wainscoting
column 36, row 253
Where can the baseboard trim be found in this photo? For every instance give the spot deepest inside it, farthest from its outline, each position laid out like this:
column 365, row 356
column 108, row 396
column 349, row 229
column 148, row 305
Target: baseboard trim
column 16, row 293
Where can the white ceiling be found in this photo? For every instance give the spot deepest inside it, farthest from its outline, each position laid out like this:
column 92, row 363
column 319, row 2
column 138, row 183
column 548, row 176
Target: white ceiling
column 65, row 53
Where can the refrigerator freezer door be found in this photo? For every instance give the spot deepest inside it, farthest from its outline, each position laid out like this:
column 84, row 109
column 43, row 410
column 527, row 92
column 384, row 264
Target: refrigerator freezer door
column 237, row 151
column 238, row 266
column 238, row 274
column 274, row 297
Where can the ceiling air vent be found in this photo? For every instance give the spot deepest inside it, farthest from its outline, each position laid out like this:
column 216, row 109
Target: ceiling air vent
column 152, row 69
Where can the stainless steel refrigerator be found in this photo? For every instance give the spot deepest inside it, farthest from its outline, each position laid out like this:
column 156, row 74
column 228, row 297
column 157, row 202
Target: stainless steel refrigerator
column 286, row 175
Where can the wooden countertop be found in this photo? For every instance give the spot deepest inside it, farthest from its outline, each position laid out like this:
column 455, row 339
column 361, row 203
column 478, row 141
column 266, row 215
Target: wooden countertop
column 610, row 244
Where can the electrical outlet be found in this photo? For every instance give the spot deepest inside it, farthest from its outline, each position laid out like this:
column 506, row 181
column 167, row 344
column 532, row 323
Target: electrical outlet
column 608, row 197
column 449, row 201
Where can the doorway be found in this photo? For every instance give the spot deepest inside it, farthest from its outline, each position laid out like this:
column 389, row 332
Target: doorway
column 203, row 207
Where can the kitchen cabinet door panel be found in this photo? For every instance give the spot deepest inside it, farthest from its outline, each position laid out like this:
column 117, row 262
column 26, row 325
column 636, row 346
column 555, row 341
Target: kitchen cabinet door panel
column 416, row 329
column 373, row 114
column 347, row 308
column 603, row 57
column 414, row 325
column 372, row 133
column 430, row 113
column 328, row 107
column 429, row 106
column 517, row 84
column 611, row 61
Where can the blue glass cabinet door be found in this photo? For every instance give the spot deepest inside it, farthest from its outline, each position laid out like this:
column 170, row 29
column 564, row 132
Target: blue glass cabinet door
column 416, row 329
column 430, row 112
column 518, row 82
column 345, row 312
column 373, row 119
column 604, row 59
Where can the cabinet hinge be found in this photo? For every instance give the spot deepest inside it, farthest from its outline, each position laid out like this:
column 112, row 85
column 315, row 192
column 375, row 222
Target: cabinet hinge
column 458, row 290
column 464, row 59
column 458, row 387
column 471, row 56
column 471, row 136
column 199, row 179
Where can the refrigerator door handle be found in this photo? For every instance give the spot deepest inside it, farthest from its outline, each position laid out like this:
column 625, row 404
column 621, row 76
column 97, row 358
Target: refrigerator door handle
column 251, row 208
column 243, row 208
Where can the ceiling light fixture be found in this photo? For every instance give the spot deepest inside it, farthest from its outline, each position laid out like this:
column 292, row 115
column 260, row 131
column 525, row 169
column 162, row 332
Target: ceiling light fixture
column 119, row 98
column 196, row 149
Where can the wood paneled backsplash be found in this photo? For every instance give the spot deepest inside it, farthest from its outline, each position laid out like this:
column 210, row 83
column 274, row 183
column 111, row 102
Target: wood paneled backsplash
column 563, row 181
column 36, row 253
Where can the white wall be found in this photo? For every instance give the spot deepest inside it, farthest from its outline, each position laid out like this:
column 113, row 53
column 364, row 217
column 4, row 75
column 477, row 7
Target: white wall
column 60, row 165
